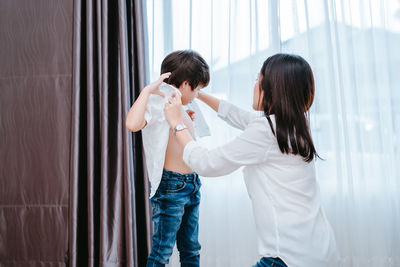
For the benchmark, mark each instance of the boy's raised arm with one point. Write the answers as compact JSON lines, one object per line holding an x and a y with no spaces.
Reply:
{"x":135,"y":119}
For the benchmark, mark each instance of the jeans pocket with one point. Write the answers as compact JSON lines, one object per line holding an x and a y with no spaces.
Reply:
{"x":172,"y":186}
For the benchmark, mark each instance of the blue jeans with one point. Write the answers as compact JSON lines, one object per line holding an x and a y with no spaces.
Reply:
{"x":176,"y":218}
{"x":267,"y":262}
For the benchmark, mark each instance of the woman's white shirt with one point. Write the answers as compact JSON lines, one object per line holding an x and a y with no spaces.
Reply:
{"x":282,"y":187}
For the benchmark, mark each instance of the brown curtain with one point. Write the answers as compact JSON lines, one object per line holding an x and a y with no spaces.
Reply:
{"x":35,"y":121}
{"x":138,"y":62}
{"x":109,"y":222}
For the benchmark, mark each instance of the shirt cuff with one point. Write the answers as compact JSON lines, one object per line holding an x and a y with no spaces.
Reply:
{"x":187,"y":151}
{"x":223,"y":108}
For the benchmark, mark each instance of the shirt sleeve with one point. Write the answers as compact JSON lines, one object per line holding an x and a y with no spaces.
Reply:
{"x":235,"y":116}
{"x":250,"y":148}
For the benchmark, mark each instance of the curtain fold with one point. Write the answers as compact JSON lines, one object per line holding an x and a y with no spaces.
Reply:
{"x":137,"y":44}
{"x":108,"y":206}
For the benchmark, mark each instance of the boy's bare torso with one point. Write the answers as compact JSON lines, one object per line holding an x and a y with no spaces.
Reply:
{"x":174,"y":154}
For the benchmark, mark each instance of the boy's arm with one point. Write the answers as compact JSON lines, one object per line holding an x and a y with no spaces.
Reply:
{"x":233,"y":115}
{"x":135,"y":120}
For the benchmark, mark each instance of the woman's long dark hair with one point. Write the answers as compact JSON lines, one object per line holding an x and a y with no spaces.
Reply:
{"x":288,"y":86}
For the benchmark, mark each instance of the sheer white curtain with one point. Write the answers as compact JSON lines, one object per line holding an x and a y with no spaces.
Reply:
{"x":353,"y":48}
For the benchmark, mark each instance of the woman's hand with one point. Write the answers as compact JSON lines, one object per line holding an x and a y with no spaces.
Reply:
{"x":153,"y":88}
{"x":173,"y":110}
{"x":174,"y":115}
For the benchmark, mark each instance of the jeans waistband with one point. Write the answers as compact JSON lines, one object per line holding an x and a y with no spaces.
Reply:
{"x":186,"y":177}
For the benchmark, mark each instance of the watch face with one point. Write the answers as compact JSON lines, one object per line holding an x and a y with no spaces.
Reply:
{"x":180,"y":127}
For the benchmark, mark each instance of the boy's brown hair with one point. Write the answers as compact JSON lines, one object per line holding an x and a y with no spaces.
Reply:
{"x":186,"y":65}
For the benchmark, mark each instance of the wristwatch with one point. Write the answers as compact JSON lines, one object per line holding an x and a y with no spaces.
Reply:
{"x":179,"y":127}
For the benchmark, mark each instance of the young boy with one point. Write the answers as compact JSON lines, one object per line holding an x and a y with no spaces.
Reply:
{"x":175,"y":195}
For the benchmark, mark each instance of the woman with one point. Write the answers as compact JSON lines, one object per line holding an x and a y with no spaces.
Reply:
{"x":278,"y":152}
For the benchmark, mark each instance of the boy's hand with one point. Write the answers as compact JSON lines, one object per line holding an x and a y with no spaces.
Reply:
{"x":173,"y":110}
{"x":153,"y":88}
